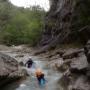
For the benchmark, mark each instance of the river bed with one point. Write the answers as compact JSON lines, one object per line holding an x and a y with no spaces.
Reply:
{"x":31,"y":83}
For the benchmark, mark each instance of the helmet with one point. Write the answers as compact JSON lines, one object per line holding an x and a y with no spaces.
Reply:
{"x":38,"y":72}
{"x":30,"y":57}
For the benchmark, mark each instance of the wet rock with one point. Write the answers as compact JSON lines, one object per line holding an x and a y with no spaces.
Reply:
{"x":74,"y":82}
{"x":79,"y":64}
{"x":64,"y":82}
{"x":64,"y":66}
{"x":78,"y":75}
{"x":59,"y":64}
{"x":71,"y":53}
{"x":21,"y":63}
{"x":59,"y":53}
{"x":54,"y":57}
{"x":19,"y":56}
{"x":74,"y":67}
{"x":9,"y":69}
{"x":81,"y":83}
{"x":56,"y":63}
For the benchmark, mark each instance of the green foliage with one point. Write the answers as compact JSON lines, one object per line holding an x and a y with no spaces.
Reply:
{"x":23,"y":26}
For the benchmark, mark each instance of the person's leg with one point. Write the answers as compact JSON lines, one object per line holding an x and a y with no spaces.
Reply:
{"x":39,"y":80}
{"x":42,"y":80}
{"x":43,"y":77}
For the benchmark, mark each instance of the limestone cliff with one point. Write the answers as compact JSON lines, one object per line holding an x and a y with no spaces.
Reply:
{"x":67,"y":21}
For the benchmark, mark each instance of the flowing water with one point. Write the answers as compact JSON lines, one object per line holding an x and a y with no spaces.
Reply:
{"x":31,"y":82}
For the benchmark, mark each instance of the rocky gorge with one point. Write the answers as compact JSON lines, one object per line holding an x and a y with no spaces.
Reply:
{"x":72,"y":63}
{"x":68,"y":21}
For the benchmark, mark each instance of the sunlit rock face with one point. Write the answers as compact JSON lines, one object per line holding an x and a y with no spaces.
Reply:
{"x":67,"y":21}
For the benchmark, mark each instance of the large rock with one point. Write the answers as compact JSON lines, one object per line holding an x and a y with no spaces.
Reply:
{"x":75,"y":82}
{"x":79,"y":65}
{"x":81,"y":84}
{"x":9,"y":69}
{"x":77,"y":76}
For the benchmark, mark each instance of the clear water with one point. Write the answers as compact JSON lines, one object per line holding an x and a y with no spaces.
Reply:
{"x":31,"y":82}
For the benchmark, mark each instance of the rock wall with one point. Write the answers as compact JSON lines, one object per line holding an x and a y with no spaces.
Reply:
{"x":67,"y":21}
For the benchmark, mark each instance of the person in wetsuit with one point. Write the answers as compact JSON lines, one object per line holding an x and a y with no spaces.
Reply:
{"x":29,"y":63}
{"x":40,"y":76}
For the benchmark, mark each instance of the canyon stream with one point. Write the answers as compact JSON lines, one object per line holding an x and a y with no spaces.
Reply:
{"x":30,"y":83}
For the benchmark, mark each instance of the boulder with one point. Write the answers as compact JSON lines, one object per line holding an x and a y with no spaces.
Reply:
{"x":79,"y":65}
{"x":21,"y":63}
{"x":77,"y":75}
{"x":9,"y":69}
{"x":59,"y":64}
{"x":56,"y":63}
{"x":81,"y":84}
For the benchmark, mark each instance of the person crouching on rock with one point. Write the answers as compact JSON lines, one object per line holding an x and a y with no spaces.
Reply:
{"x":29,"y":63}
{"x":40,"y":76}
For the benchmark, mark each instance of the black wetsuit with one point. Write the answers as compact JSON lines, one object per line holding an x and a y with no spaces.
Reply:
{"x":29,"y":63}
{"x":41,"y":77}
